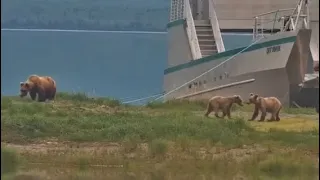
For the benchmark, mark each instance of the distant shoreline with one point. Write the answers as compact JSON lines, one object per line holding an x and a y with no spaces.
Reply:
{"x":101,"y":31}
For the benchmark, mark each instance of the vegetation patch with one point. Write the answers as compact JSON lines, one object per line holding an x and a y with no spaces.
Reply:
{"x":79,"y":132}
{"x":9,"y":161}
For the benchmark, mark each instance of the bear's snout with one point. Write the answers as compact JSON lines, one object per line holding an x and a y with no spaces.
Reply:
{"x":23,"y":92}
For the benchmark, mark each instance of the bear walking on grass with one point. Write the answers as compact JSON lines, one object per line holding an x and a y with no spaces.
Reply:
{"x":224,"y":104}
{"x":44,"y":86}
{"x":265,"y":104}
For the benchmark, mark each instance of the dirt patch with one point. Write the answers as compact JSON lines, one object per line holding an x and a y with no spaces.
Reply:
{"x":142,"y":150}
{"x":49,"y":146}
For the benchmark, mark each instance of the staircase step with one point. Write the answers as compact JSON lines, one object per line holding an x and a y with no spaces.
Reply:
{"x":208,"y":47}
{"x":205,"y":36}
{"x":202,"y":22}
{"x":208,"y":52}
{"x":204,"y":31}
{"x":203,"y":27}
{"x":206,"y":41}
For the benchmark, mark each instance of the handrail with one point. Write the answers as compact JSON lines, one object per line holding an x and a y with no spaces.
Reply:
{"x":215,"y":27}
{"x":276,"y":11}
{"x":191,"y":31}
{"x":289,"y":21}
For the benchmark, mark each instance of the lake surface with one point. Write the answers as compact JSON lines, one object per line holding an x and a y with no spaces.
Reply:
{"x":125,"y":66}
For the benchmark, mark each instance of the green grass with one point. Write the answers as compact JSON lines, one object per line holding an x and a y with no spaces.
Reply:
{"x":79,"y":118}
{"x":9,"y":161}
{"x":172,"y":133}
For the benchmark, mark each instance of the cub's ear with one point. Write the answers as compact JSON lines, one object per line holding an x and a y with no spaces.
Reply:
{"x":21,"y":83}
{"x":251,"y":94}
{"x":255,"y":96}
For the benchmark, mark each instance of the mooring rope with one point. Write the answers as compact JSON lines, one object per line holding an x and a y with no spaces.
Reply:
{"x":161,"y":95}
{"x":210,"y":69}
{"x":141,"y":99}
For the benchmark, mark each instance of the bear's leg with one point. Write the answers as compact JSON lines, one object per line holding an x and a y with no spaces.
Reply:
{"x":224,"y":113}
{"x":209,"y":110}
{"x":229,"y":112}
{"x":48,"y":95}
{"x":41,"y":96}
{"x":277,"y":115}
{"x":33,"y":95}
{"x":255,"y":113}
{"x":272,"y":117}
{"x":216,"y":110}
{"x":263,"y":114}
{"x":52,"y":95}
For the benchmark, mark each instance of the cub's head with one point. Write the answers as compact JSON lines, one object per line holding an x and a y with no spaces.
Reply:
{"x":253,"y":98}
{"x":25,"y":87}
{"x":238,"y":100}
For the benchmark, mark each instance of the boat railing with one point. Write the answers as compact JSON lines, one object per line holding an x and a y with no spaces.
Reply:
{"x":271,"y":22}
{"x":282,"y":20}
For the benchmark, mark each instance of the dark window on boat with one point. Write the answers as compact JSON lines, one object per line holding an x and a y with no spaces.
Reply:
{"x":220,"y":77}
{"x":190,"y":86}
{"x":204,"y":82}
{"x":214,"y":79}
{"x":200,"y":83}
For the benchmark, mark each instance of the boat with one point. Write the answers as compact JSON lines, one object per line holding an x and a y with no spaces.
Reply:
{"x":277,"y":63}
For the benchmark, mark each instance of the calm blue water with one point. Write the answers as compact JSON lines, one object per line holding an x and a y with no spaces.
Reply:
{"x":123,"y":66}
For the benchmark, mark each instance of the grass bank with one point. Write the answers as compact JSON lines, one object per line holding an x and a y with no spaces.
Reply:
{"x":79,"y":118}
{"x":81,"y":131}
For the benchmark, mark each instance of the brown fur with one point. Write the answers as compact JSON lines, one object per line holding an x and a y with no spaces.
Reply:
{"x":265,"y":105}
{"x":224,"y":104}
{"x":44,"y":86}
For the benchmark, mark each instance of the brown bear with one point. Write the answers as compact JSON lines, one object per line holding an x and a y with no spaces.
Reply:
{"x":224,"y":104}
{"x":44,"y":86}
{"x":265,"y":104}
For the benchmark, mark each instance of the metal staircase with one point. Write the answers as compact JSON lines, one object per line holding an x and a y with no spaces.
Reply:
{"x":205,"y":37}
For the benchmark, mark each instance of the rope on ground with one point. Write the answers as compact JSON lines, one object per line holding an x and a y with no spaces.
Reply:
{"x":210,"y":69}
{"x":141,"y":99}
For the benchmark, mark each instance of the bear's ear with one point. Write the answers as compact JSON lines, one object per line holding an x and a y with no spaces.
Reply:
{"x":251,"y":94}
{"x":255,"y":96}
{"x":21,"y":83}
